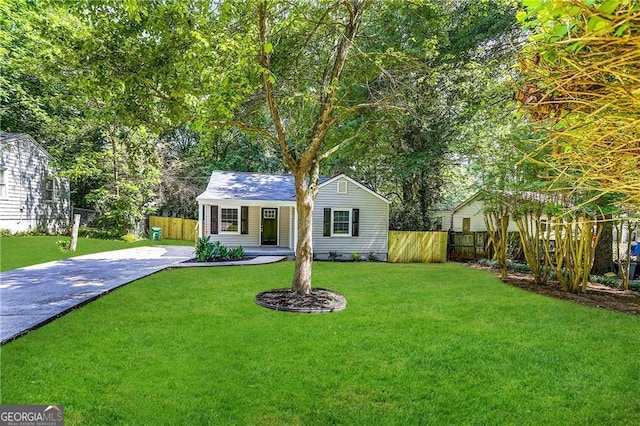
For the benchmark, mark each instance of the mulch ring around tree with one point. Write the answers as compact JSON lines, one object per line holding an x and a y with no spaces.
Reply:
{"x":320,"y":300}
{"x":597,"y":295}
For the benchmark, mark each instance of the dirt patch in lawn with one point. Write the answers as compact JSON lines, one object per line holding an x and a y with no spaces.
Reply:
{"x":597,"y":295}
{"x":319,"y":301}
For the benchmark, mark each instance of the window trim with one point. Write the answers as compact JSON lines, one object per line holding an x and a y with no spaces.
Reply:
{"x":48,"y":179}
{"x":4,"y":184}
{"x":349,"y":222}
{"x":239,"y":217}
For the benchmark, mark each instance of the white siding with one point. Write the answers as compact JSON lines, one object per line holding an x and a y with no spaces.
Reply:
{"x":446,"y":216}
{"x":374,"y":222}
{"x":284,"y":227}
{"x":252,"y":239}
{"x":475,"y":212}
{"x":26,"y":169}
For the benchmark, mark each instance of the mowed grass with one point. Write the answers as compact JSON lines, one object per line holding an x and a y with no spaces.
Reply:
{"x":417,"y":344}
{"x":17,"y":252}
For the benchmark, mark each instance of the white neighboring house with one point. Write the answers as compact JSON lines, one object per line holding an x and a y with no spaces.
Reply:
{"x":467,"y":216}
{"x":32,"y":196}
{"x":259,"y":210}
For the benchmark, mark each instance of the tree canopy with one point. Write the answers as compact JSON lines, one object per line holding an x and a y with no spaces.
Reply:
{"x":581,"y":82}
{"x":421,"y":108}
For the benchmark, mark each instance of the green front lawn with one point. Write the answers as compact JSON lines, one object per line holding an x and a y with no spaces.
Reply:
{"x":17,"y":252}
{"x":417,"y":344}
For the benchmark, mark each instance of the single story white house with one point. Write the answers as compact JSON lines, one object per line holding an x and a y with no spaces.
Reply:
{"x":259,"y":210}
{"x":468,"y":216}
{"x":32,"y":195}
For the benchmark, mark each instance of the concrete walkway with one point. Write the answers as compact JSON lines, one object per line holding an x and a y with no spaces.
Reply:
{"x":35,"y":295}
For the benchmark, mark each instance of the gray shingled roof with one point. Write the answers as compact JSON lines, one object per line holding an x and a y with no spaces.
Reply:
{"x":250,"y":186}
{"x":5,"y":136}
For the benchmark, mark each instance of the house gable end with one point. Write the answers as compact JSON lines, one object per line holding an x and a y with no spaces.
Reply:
{"x":353,"y":182}
{"x":6,"y":139}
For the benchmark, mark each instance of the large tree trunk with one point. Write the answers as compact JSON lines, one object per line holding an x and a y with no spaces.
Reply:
{"x":306,"y":190}
{"x":304,"y":164}
{"x":304,"y":247}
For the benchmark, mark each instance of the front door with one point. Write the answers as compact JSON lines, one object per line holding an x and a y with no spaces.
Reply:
{"x":269,"y":227}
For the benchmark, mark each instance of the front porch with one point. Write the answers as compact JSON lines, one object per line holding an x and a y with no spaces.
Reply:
{"x":259,"y":227}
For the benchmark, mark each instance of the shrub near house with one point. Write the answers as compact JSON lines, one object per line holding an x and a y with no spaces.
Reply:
{"x":207,"y":251}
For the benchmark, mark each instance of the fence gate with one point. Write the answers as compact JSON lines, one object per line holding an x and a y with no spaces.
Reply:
{"x":468,"y":246}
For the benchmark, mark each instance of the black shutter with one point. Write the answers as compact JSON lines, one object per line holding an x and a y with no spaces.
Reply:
{"x":326,"y":230}
{"x":214,"y":219}
{"x":355,"y":222}
{"x":244,"y":220}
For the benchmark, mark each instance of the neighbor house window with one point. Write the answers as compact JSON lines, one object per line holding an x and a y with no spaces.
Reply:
{"x":229,"y":218}
{"x":3,"y":183}
{"x":49,"y":189}
{"x":466,"y":224}
{"x":437,"y":223}
{"x":546,"y":226}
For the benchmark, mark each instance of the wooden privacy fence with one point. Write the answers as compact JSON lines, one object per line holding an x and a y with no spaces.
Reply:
{"x":424,"y":247}
{"x":175,"y":228}
{"x":468,"y":245}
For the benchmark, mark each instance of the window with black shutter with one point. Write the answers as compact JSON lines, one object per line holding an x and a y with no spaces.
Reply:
{"x":326,"y":229}
{"x":244,"y":220}
{"x":355,"y":222}
{"x":214,"y":219}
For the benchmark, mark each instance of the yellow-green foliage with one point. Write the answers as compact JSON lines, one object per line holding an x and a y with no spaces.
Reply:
{"x":581,"y":73}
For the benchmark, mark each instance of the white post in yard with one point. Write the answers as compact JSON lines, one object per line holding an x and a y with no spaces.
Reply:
{"x":74,"y":232}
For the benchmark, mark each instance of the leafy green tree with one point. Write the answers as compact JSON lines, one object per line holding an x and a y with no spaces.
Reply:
{"x":109,"y":159}
{"x":305,"y":79}
{"x":168,"y":63}
{"x":187,"y":158}
{"x":457,"y":101}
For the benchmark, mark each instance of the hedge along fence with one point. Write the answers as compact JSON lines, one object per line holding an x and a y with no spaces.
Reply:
{"x":175,"y":228}
{"x":417,"y":247}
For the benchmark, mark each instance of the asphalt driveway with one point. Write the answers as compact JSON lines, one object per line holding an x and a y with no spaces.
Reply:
{"x":35,"y":295}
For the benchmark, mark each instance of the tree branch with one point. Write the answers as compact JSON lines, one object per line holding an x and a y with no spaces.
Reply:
{"x":331,"y":151}
{"x":330,"y":83}
{"x":244,"y":126}
{"x":265,"y":63}
{"x":355,"y":108}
